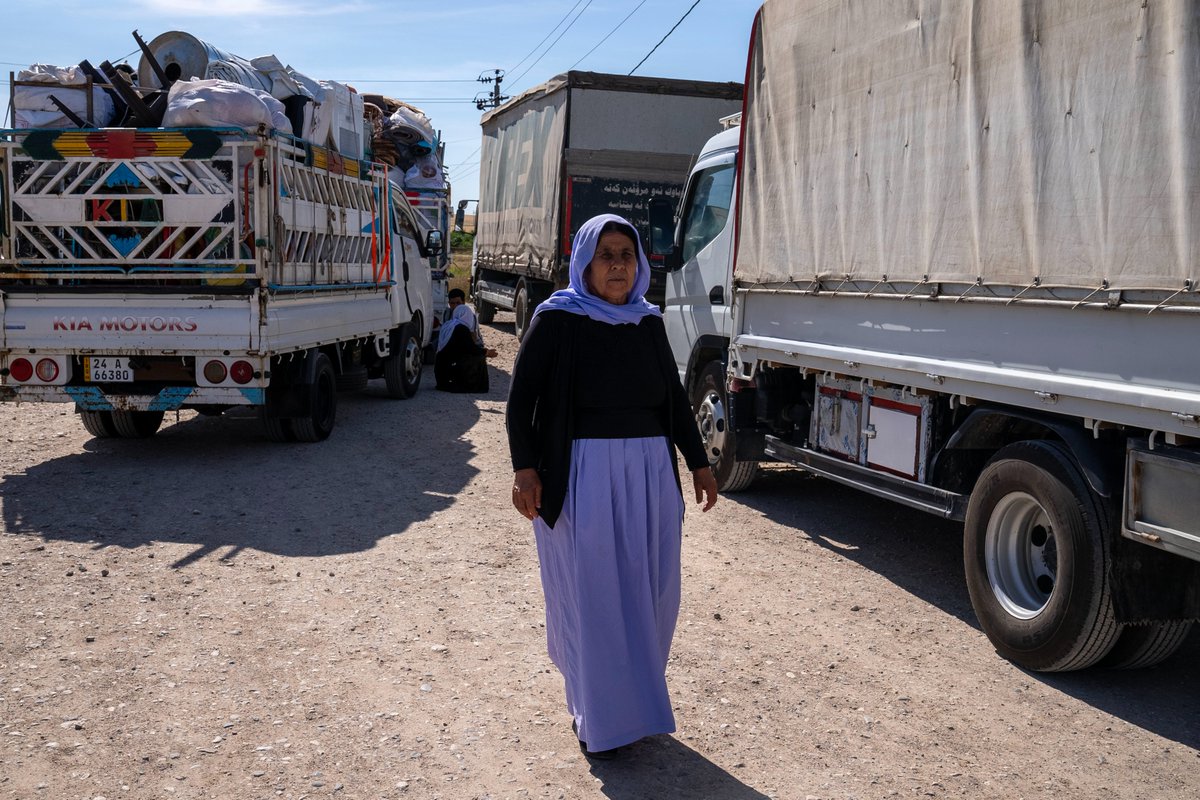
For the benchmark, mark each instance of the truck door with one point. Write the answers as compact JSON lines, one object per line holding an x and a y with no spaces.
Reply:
{"x":700,"y":290}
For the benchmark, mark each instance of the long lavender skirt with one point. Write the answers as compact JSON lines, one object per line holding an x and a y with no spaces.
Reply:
{"x":610,"y":573}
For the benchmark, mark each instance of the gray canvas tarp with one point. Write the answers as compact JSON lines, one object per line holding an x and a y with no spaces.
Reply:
{"x":519,"y":181}
{"x":947,"y":140}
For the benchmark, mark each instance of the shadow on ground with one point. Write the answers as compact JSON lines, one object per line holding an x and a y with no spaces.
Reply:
{"x":666,"y":769}
{"x":218,"y":484}
{"x":918,"y":552}
{"x":922,"y":554}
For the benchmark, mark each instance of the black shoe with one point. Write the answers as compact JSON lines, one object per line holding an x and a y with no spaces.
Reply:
{"x":598,"y":755}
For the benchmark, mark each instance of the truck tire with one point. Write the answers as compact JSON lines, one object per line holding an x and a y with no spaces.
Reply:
{"x":485,"y":311}
{"x":402,"y":369}
{"x":136,"y":424}
{"x":1146,"y":645}
{"x":522,"y":313}
{"x":277,"y":429}
{"x":317,"y":426}
{"x":1036,"y":558}
{"x":710,"y":404}
{"x":98,"y":423}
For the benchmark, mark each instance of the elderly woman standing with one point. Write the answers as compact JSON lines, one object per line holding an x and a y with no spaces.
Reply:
{"x":595,"y":413}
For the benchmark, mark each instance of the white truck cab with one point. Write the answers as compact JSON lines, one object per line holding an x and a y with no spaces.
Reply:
{"x":697,"y":294}
{"x":698,"y":257}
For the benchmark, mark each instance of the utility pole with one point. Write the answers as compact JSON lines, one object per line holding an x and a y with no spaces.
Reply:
{"x":483,"y":102}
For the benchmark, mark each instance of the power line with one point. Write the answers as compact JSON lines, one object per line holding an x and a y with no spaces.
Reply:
{"x":551,"y":47}
{"x":465,"y":169}
{"x":468,"y":158}
{"x":28,"y":64}
{"x":435,"y":99}
{"x":663,"y":39}
{"x":547,"y":36}
{"x":403,"y":80}
{"x":610,"y":33}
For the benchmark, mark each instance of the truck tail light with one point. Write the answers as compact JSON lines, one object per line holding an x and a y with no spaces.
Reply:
{"x":20,"y":370}
{"x":214,"y":372}
{"x":241,"y":372}
{"x":47,"y":370}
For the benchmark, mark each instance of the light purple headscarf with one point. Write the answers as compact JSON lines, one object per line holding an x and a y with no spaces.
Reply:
{"x":578,"y":299}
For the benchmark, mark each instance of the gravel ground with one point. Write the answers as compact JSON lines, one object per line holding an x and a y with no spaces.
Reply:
{"x":209,"y":615}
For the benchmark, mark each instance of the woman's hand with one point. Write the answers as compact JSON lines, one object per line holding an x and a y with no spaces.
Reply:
{"x":527,"y":492}
{"x":706,"y":487}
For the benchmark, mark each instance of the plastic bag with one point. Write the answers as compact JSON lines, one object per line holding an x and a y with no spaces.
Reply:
{"x":425,"y":173}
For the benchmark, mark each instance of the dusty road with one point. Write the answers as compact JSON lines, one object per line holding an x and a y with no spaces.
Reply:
{"x":208,"y":615}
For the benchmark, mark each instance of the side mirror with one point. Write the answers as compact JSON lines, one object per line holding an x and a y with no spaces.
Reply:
{"x":662,"y":232}
{"x":434,"y":243}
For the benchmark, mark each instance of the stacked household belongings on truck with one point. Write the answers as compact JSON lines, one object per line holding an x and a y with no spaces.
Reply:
{"x":403,"y":138}
{"x":184,"y":82}
{"x":48,"y":96}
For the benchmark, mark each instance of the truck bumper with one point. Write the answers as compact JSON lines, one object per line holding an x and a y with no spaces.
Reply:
{"x":171,"y":398}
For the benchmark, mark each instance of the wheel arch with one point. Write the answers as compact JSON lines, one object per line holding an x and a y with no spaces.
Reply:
{"x":991,"y":428}
{"x":418,"y":320}
{"x":706,"y":349}
{"x":290,"y":372}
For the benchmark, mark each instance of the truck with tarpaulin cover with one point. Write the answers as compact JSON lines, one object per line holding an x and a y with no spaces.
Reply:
{"x":950,"y":258}
{"x":144,"y":271}
{"x":581,"y":144}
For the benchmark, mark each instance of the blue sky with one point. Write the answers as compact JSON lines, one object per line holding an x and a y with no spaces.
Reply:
{"x":428,"y":53}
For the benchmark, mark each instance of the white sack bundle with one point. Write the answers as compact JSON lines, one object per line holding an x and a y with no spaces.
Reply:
{"x":410,"y":125}
{"x":34,"y":109}
{"x":217,"y":104}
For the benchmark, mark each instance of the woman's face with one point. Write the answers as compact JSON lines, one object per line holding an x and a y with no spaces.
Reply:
{"x":614,"y":266}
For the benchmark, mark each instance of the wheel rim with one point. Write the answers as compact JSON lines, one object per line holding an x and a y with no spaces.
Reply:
{"x":710,"y":418}
{"x":1021,"y":555}
{"x":519,"y":311}
{"x":412,"y":361}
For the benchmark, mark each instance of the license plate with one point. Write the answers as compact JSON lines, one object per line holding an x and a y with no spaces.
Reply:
{"x":107,"y":369}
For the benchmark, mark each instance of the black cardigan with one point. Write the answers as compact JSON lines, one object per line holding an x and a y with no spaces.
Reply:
{"x":540,"y":417}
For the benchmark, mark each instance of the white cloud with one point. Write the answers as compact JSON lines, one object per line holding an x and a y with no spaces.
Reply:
{"x":252,"y":8}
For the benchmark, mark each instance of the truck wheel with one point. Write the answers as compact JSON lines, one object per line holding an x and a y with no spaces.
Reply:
{"x":136,"y":424}
{"x":402,"y":369}
{"x":98,"y":423}
{"x":278,"y":429}
{"x":710,"y":403}
{"x":317,"y":426}
{"x":521,"y":312}
{"x":1146,"y":645}
{"x":1036,"y":554}
{"x":485,"y":311}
